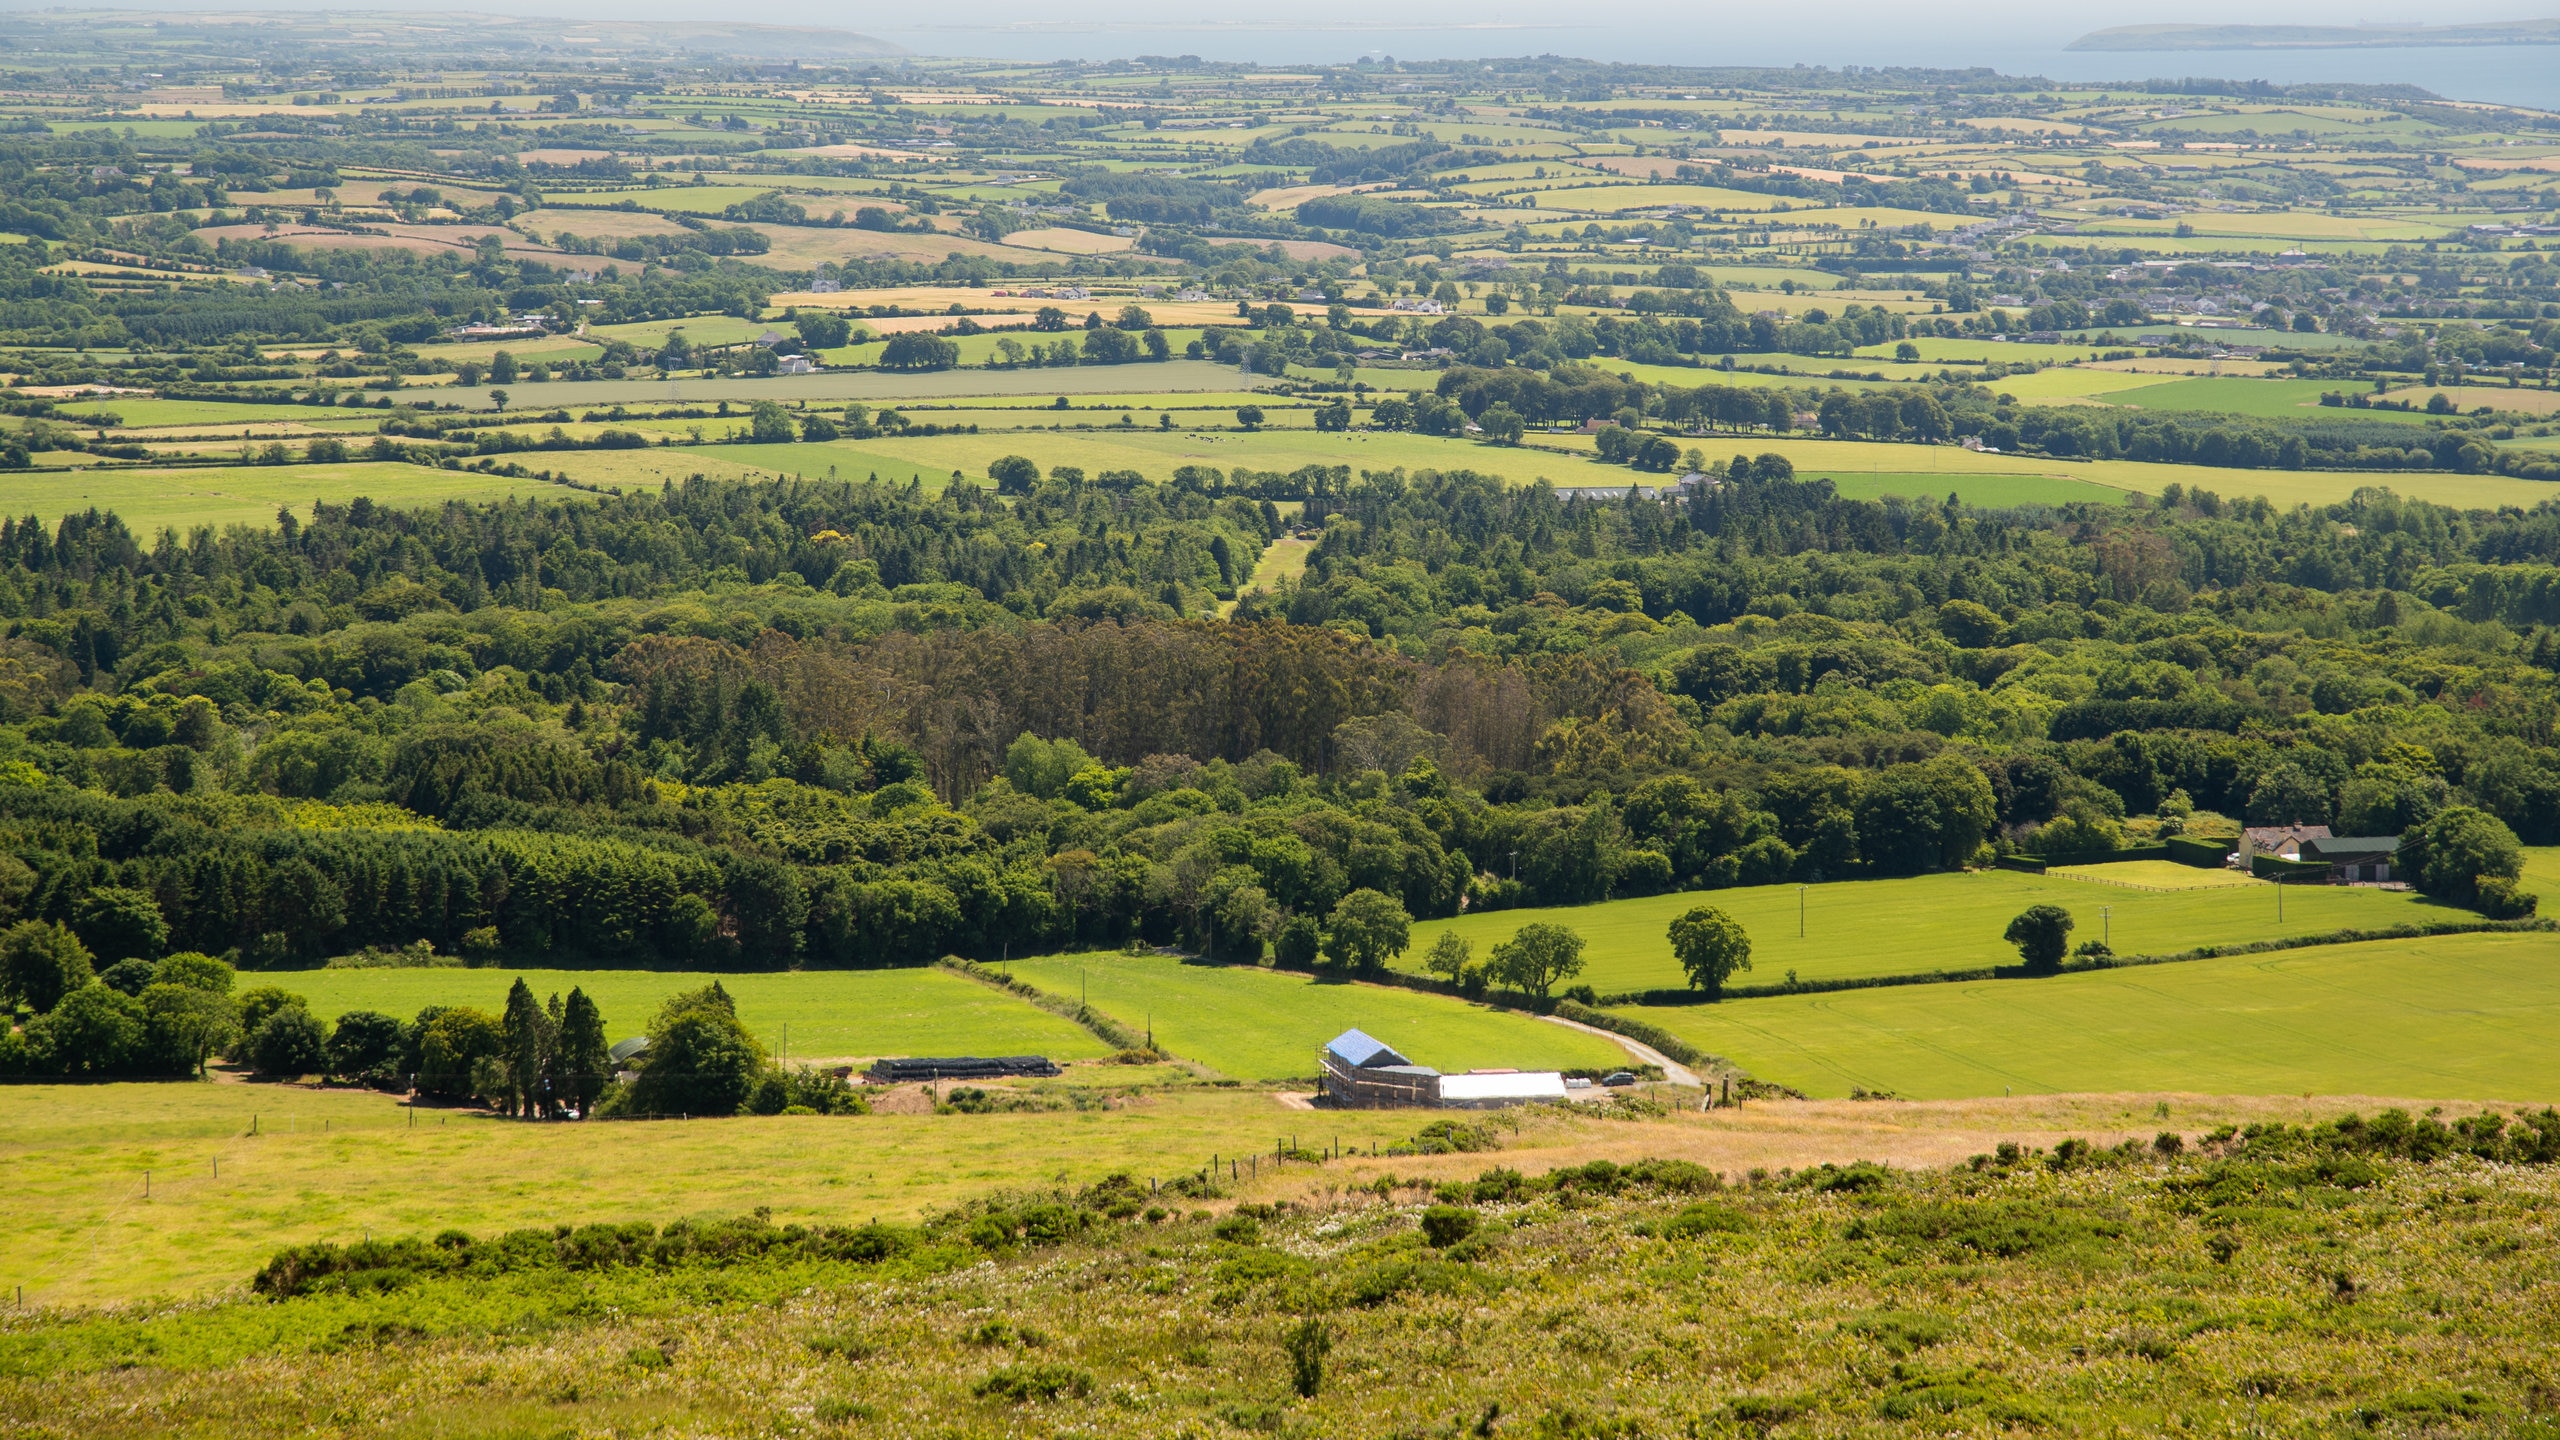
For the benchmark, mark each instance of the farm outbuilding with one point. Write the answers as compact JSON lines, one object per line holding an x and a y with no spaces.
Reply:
{"x":1361,"y":1072}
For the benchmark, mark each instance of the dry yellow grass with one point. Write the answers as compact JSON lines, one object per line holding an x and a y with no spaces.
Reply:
{"x":2466,"y":398}
{"x":76,"y":1226}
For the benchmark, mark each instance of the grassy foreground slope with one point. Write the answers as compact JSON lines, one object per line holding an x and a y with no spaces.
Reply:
{"x":2115,"y":1294}
{"x":832,"y":1014}
{"x":1265,"y":1025}
{"x":1938,"y":922}
{"x":76,"y":1226}
{"x":2453,"y":1016}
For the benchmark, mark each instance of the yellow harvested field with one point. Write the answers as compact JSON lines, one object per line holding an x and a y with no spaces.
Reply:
{"x":2467,"y":398}
{"x":802,"y":247}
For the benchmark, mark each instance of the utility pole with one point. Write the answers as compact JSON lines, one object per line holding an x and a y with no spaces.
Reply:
{"x":1800,"y":912}
{"x":2106,"y":926}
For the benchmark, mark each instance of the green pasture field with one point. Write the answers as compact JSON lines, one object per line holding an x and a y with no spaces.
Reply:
{"x":138,"y":129}
{"x":1152,"y":453}
{"x":1584,"y":197}
{"x":548,"y":349}
{"x":337,"y":1164}
{"x":1138,"y":402}
{"x":1916,"y":470}
{"x":1961,"y":350}
{"x":1282,"y":560}
{"x":868,"y":386}
{"x":1985,"y":490}
{"x":1268,"y":1025}
{"x":2240,"y":395}
{"x":1859,"y":928}
{"x":832,"y":1014}
{"x":181,"y":499}
{"x":978,"y":352}
{"x":2542,"y":876}
{"x":2072,"y":382}
{"x":142,"y":412}
{"x":673,"y":199}
{"x":2454,"y":1017}
{"x":2283,"y":487}
{"x":2158,"y":875}
{"x":698,"y":330}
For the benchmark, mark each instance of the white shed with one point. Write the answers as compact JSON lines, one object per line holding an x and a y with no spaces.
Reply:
{"x":1491,"y":1090}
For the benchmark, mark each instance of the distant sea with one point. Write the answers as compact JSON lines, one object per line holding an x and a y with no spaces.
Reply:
{"x":2515,"y":75}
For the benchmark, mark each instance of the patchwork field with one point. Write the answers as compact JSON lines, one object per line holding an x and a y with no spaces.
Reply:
{"x":1863,"y":928}
{"x":2462,"y":1016}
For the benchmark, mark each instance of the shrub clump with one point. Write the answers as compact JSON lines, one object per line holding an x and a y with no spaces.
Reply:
{"x":391,"y":1264}
{"x":1041,"y":1380}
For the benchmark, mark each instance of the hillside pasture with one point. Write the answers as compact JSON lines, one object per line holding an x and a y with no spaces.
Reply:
{"x":2453,"y":1017}
{"x":1864,"y":928}
{"x":1255,"y":1024}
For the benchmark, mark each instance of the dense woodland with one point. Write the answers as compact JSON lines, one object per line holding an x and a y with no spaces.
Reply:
{"x":821,"y":724}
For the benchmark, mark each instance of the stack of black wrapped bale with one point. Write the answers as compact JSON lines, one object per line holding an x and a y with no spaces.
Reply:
{"x":917,"y":1070}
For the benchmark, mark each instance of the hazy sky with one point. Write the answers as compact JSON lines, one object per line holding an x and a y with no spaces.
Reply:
{"x":2015,"y":36}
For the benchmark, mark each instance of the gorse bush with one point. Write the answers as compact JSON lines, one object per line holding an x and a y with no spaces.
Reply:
{"x":389,"y":1264}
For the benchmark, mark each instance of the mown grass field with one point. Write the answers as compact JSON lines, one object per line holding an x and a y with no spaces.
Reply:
{"x":1266,"y":1025}
{"x":1860,"y":928}
{"x":75,"y":1226}
{"x":2234,"y":395}
{"x":868,"y":386}
{"x":1985,"y":490}
{"x":832,"y":1014}
{"x":180,"y":499}
{"x":2453,"y":1017}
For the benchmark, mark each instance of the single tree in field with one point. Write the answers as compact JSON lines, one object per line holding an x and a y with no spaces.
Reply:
{"x":2041,"y":933}
{"x":1710,"y":946}
{"x":1249,"y":416}
{"x":1455,"y":959}
{"x":1449,"y":957}
{"x":1538,"y":958}
{"x":1368,"y":929}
